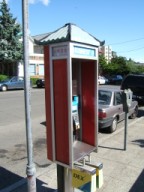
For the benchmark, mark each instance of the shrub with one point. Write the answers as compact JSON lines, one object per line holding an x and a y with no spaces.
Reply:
{"x":33,"y":80}
{"x":3,"y":77}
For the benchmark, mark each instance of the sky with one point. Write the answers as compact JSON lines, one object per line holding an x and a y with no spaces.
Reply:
{"x":119,"y":22}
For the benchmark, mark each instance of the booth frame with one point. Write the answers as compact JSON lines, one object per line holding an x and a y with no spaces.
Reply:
{"x":77,"y":150}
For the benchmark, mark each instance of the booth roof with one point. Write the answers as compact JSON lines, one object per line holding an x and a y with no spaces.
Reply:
{"x":69,"y":32}
{"x":41,"y":36}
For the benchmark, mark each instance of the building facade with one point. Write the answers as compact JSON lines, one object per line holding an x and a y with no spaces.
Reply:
{"x":107,"y":52}
{"x":36,"y":60}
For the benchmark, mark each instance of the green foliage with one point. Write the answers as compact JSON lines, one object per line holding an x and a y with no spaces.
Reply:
{"x":3,"y":77}
{"x":140,"y":69}
{"x":33,"y":80}
{"x":119,"y":65}
{"x":132,"y":68}
{"x":102,"y":64}
{"x":10,"y":46}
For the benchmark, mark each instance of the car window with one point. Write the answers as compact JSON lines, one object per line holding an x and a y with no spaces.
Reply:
{"x":14,"y":79}
{"x":20,"y":79}
{"x":118,"y":98}
{"x":128,"y":81}
{"x":104,"y":97}
{"x":133,"y":81}
{"x":119,"y":76}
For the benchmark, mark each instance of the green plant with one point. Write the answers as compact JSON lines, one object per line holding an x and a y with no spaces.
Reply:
{"x":33,"y":80}
{"x":3,"y":77}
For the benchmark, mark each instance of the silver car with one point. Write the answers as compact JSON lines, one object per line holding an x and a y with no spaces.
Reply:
{"x":12,"y":83}
{"x":111,"y":108}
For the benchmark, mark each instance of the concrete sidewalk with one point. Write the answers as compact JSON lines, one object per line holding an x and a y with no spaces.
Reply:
{"x":123,"y":171}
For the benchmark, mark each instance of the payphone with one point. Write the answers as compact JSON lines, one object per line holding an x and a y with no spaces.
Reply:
{"x":71,"y":90}
{"x":71,"y":70}
{"x":71,"y":107}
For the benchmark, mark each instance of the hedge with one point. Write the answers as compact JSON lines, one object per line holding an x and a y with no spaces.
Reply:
{"x":3,"y":77}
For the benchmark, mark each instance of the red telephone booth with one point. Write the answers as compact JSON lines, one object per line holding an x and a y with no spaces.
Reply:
{"x":71,"y":69}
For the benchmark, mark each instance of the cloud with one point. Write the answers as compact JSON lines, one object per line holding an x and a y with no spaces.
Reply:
{"x":45,"y":2}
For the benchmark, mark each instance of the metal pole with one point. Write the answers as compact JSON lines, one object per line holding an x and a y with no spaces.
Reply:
{"x":30,"y":169}
{"x":125,"y":132}
{"x":68,"y":180}
{"x":60,"y":178}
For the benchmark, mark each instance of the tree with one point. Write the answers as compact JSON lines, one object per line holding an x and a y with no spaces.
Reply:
{"x":102,"y":64}
{"x":120,"y":65}
{"x":132,"y":68}
{"x":10,"y":45}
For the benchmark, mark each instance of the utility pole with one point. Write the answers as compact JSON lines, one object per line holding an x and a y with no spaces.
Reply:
{"x":30,"y":169}
{"x":125,"y":131}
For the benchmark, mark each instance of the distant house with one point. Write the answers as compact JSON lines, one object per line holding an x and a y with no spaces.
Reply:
{"x":36,"y":58}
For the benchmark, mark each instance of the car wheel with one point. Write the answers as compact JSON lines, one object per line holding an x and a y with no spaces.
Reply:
{"x":4,"y":88}
{"x":134,"y":114}
{"x":113,"y":126}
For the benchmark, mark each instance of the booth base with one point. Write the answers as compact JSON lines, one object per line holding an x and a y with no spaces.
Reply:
{"x":84,"y":179}
{"x":99,"y":173}
{"x":81,"y":150}
{"x":99,"y":178}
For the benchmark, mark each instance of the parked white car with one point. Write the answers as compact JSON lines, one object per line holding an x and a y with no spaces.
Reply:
{"x":101,"y":80}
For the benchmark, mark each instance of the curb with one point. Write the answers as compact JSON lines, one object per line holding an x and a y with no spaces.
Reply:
{"x":119,"y":130}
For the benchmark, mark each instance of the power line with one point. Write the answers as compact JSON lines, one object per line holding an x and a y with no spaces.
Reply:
{"x":131,"y":50}
{"x":124,"y":42}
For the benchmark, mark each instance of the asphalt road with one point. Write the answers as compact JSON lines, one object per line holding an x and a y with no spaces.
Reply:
{"x":13,"y":152}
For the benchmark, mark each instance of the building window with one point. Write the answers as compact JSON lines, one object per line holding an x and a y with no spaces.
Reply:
{"x":32,"y":69}
{"x":41,"y":69}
